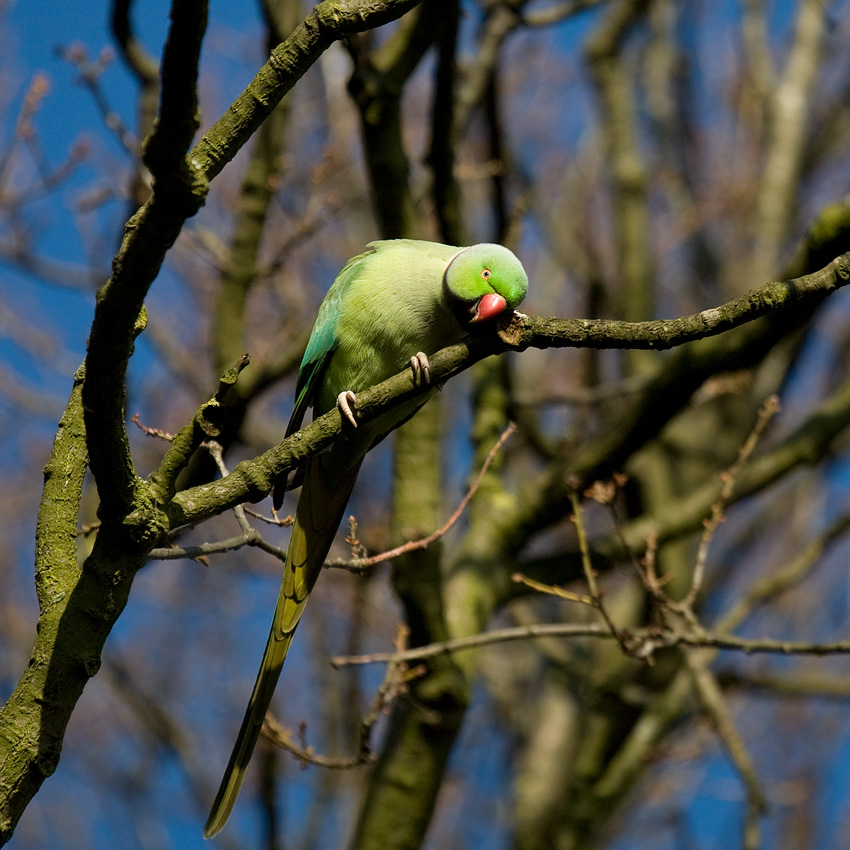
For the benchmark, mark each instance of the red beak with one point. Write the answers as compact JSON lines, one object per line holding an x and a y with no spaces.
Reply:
{"x":490,"y":305}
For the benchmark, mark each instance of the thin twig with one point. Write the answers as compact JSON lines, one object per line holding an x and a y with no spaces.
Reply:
{"x":394,"y":685}
{"x":605,"y":493}
{"x":217,"y":454}
{"x":91,"y":72}
{"x":552,"y":590}
{"x":729,"y":477}
{"x":151,"y":432}
{"x":281,"y":737}
{"x":201,"y":550}
{"x":778,"y":581}
{"x":421,"y":653}
{"x":358,"y":550}
{"x":284,"y":522}
{"x":360,"y":564}
{"x":89,"y":528}
{"x":589,"y":573}
{"x":643,"y":642}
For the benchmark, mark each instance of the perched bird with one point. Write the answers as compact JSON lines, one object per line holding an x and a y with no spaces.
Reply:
{"x":391,"y":306}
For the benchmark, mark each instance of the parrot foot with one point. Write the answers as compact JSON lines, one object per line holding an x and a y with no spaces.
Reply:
{"x":346,"y":401}
{"x":421,"y":367}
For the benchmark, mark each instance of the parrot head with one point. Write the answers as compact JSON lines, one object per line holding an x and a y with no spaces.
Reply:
{"x":483,"y":281}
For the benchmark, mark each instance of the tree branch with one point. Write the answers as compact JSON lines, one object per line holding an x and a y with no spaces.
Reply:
{"x":645,"y":641}
{"x":328,"y":22}
{"x":154,"y":228}
{"x":252,"y":480}
{"x":119,"y":315}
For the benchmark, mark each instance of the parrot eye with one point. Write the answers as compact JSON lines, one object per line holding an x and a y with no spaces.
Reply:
{"x":485,"y":273}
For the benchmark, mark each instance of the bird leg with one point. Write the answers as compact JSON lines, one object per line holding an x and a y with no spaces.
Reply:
{"x":421,"y":367}
{"x":346,"y":401}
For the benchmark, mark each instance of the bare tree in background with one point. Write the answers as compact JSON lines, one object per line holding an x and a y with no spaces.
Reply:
{"x":590,"y":656}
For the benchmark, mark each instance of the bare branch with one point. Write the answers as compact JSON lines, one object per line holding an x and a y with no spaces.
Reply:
{"x":728,"y":478}
{"x":251,"y":481}
{"x":282,"y":737}
{"x":360,"y":564}
{"x":646,"y":640}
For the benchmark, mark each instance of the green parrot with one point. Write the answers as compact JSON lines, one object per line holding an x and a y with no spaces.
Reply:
{"x":389,"y":307}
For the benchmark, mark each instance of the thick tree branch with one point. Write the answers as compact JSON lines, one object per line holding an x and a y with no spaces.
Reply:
{"x":328,"y":22}
{"x":118,"y":314}
{"x":67,"y":648}
{"x":252,"y":480}
{"x":154,"y":228}
{"x":178,"y":118}
{"x":772,"y":298}
{"x":56,"y":567}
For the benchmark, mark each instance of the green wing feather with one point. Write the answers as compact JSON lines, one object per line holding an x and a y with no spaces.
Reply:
{"x":320,"y":347}
{"x":323,"y":341}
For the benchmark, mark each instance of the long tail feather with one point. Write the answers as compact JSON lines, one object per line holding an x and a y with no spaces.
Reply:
{"x":273,"y":658}
{"x":317,"y":518}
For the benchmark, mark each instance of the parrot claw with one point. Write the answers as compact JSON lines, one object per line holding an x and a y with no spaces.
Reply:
{"x":421,"y":367}
{"x":346,"y":401}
